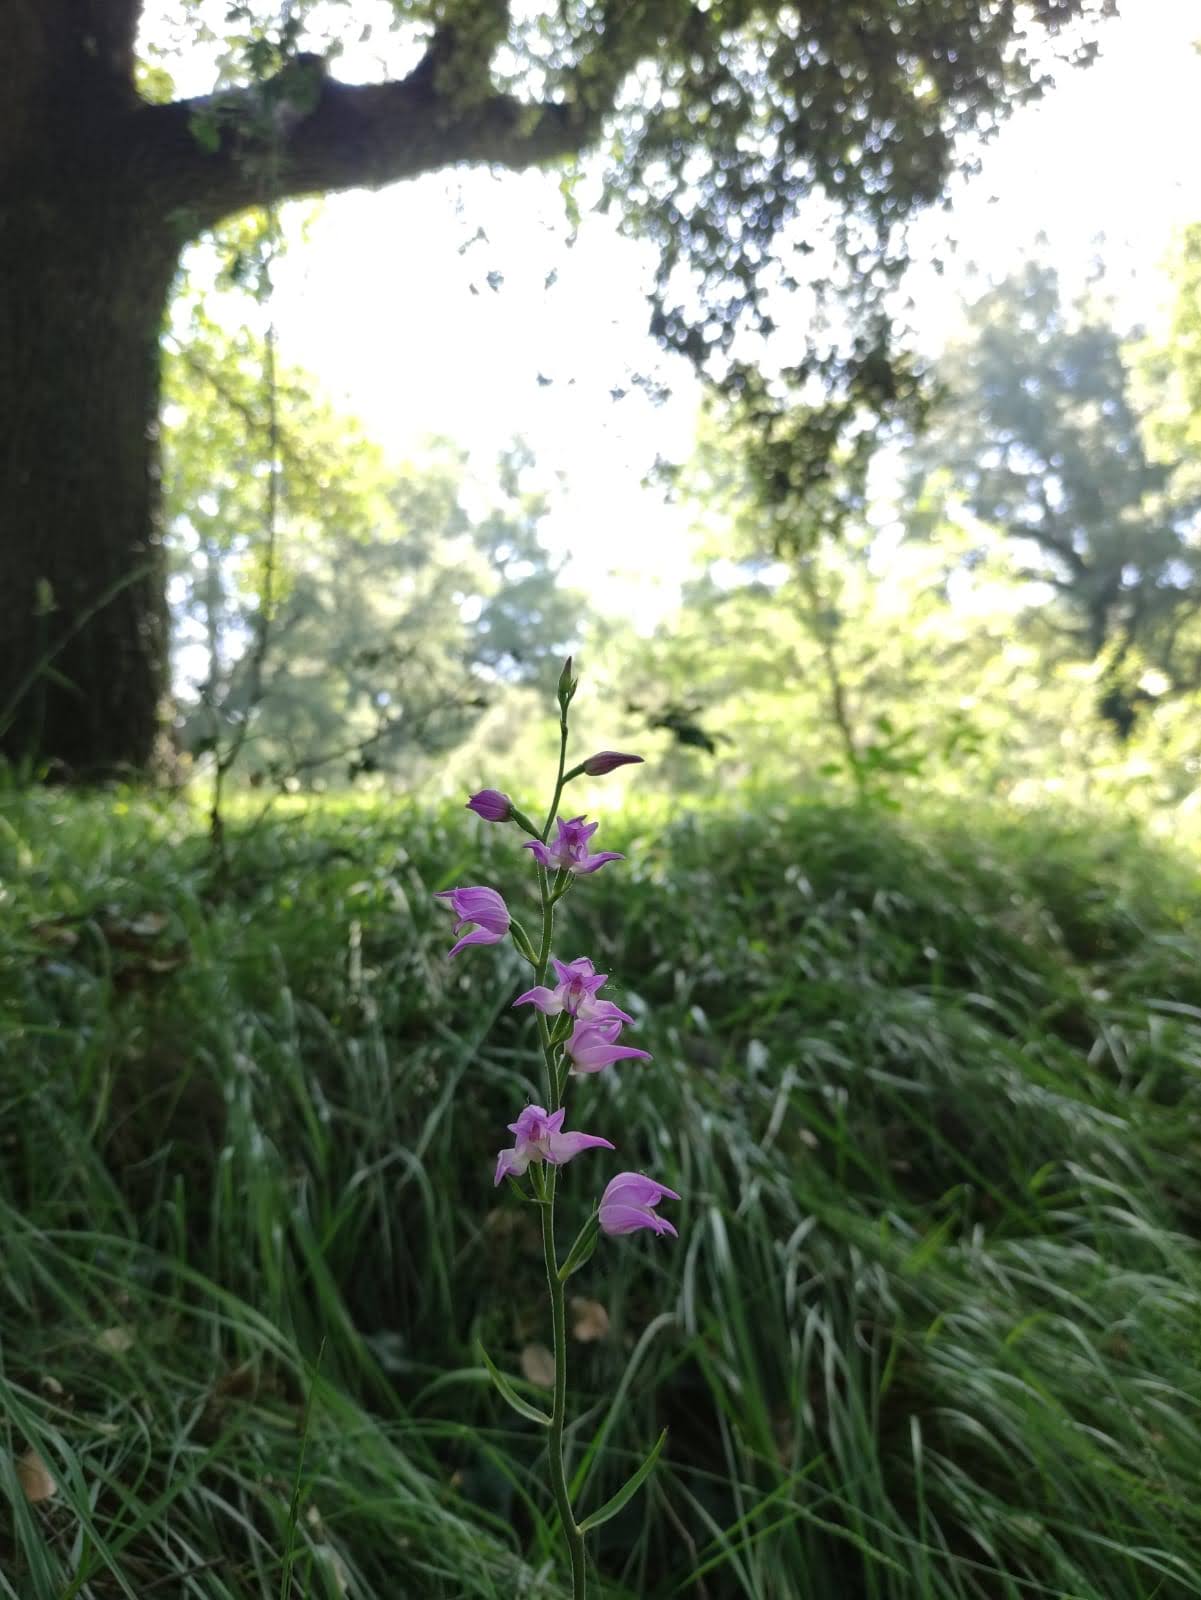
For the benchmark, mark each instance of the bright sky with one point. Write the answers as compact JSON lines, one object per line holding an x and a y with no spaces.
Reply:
{"x":389,"y":304}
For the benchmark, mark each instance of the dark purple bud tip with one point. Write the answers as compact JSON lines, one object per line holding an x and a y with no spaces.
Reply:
{"x":491,"y":805}
{"x":606,"y":760}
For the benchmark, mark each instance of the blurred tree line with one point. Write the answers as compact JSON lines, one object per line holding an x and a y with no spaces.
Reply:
{"x":1014,"y":606}
{"x":384,"y":611}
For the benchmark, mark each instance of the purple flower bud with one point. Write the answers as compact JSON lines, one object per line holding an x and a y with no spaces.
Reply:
{"x":480,"y":907}
{"x":491,"y":805}
{"x":628,"y":1204}
{"x":606,"y":760}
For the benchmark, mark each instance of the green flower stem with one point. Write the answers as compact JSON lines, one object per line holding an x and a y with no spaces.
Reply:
{"x":558,"y":1477}
{"x":559,"y":781}
{"x":555,"y":1084}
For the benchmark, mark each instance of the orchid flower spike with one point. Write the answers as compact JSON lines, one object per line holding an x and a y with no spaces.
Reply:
{"x":593,"y":1046}
{"x":574,"y":993}
{"x":480,"y":907}
{"x":539,"y":1137}
{"x":491,"y":805}
{"x":628,"y":1204}
{"x":570,"y":851}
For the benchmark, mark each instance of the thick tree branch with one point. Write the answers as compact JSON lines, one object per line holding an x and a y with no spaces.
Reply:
{"x":222,"y":153}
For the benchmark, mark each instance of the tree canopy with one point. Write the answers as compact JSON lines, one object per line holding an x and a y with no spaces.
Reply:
{"x":1039,"y":437}
{"x":734,"y":134}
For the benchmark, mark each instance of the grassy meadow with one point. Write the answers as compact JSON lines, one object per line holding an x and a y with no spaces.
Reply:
{"x":929,"y":1085}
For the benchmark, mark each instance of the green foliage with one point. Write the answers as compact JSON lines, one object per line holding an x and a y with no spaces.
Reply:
{"x":928,"y":1087}
{"x":1169,"y":369}
{"x":763,"y":148}
{"x":393,"y":614}
{"x":1027,"y":623}
{"x":1039,"y":440}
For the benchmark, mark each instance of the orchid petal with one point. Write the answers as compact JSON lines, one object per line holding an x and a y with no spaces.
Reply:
{"x":509,"y":1164}
{"x":548,"y":1000}
{"x":562,"y":1146}
{"x":480,"y":936}
{"x":594,"y":863}
{"x":628,"y":1219}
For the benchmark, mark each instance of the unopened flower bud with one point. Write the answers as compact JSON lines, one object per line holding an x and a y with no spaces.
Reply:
{"x":491,"y":805}
{"x":606,"y":760}
{"x":567,"y":684}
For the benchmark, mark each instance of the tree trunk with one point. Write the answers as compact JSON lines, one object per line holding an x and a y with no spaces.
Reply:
{"x":99,"y":192}
{"x":84,"y":276}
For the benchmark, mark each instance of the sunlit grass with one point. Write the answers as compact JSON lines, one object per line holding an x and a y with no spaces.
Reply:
{"x":930,"y":1093}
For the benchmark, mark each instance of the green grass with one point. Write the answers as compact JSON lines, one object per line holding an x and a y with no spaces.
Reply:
{"x":931,"y":1091}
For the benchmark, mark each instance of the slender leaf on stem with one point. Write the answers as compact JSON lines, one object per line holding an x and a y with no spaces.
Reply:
{"x":581,"y":1251}
{"x":627,"y":1491}
{"x":509,"y":1393}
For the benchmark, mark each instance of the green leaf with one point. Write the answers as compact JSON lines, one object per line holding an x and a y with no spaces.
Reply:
{"x":507,"y":1391}
{"x":581,"y":1251}
{"x":627,"y":1491}
{"x":204,"y":128}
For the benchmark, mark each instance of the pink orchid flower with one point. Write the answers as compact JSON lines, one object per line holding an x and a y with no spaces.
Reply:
{"x":628,"y":1204}
{"x":593,"y":1046}
{"x":539,"y":1137}
{"x":570,"y":850}
{"x":574,"y":993}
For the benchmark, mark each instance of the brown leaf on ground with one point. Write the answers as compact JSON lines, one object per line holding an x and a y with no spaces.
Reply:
{"x":591,"y":1320}
{"x":538,"y":1365}
{"x":34,"y":1477}
{"x":115,"y":1341}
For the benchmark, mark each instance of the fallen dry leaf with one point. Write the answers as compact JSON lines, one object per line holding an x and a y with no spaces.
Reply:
{"x":116,"y":1341}
{"x":337,"y":1567}
{"x":538,"y":1365}
{"x":591,"y":1320}
{"x":34,"y":1478}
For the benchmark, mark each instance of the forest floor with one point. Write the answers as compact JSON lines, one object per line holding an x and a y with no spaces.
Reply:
{"x":930,"y":1090}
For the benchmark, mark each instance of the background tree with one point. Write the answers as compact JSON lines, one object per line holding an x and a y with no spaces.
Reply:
{"x":1039,"y":438}
{"x":1168,"y":368}
{"x":726,"y":120}
{"x":402,"y":600}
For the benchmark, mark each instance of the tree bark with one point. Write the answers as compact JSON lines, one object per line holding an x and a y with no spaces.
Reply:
{"x":84,"y":278}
